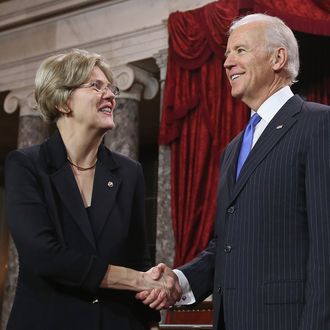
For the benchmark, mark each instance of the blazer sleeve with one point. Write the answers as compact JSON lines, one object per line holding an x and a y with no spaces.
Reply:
{"x":316,"y":313}
{"x":200,"y":272}
{"x":39,"y":247}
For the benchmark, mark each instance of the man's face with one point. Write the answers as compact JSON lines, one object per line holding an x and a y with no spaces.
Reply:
{"x":248,"y":65}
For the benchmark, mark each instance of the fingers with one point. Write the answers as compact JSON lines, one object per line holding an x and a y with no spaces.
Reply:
{"x":166,"y":293}
{"x":142,"y":295}
{"x":159,"y":302}
{"x":157,"y":271}
{"x":155,"y":298}
{"x":172,"y":284}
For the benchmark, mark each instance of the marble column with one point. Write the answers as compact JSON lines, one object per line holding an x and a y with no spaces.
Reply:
{"x":134,"y":83}
{"x":164,"y":238}
{"x":31,"y":130}
{"x":165,"y":246}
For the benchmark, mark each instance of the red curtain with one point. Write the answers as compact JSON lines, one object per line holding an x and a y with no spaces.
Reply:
{"x":199,"y":115}
{"x":309,"y":16}
{"x":315,"y":69}
{"x":199,"y":119}
{"x":320,"y":92}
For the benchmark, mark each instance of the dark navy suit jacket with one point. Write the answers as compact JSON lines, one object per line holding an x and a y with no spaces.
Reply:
{"x":63,"y":253}
{"x":269,"y":261}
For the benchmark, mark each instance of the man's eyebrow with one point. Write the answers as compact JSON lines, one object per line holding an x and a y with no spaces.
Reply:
{"x":234,"y":48}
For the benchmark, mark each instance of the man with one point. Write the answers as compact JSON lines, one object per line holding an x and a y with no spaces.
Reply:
{"x":268,"y":264}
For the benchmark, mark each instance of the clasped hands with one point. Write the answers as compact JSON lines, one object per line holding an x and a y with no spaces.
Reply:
{"x":167,"y":291}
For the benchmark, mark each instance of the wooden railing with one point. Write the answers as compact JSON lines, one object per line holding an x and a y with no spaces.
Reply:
{"x":185,"y":326}
{"x":188,"y":318}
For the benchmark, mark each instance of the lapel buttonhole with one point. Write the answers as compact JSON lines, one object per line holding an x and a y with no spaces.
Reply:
{"x":279,"y":126}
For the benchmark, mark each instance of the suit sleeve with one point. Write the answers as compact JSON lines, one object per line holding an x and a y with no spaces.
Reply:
{"x":200,"y":272}
{"x":39,"y":247}
{"x":316,"y":314}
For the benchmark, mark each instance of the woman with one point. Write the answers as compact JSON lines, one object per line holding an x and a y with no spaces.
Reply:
{"x":76,"y":210}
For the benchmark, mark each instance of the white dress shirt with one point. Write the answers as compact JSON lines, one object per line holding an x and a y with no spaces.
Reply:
{"x":266,"y":111}
{"x":269,"y":109}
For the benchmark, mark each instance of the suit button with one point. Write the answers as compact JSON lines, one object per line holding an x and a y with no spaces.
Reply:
{"x":227,"y":248}
{"x":220,"y":290}
{"x":231,"y":209}
{"x":95,"y":301}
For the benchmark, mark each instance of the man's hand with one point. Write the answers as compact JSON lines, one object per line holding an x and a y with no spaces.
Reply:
{"x":168,"y":294}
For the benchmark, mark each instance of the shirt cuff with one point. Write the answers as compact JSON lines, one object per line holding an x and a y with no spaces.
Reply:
{"x":187,"y":297}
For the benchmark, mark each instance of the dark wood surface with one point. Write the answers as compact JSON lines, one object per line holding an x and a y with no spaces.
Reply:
{"x":187,"y":318}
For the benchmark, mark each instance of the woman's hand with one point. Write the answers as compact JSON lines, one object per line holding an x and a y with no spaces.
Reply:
{"x":170,"y":292}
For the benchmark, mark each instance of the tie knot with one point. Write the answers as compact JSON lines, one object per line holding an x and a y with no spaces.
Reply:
{"x":254,"y":120}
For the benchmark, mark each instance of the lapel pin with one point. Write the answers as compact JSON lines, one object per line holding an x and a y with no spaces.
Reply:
{"x":279,"y":126}
{"x":110,"y":184}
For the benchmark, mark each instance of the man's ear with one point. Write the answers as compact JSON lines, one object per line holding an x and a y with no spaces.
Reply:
{"x":279,"y":59}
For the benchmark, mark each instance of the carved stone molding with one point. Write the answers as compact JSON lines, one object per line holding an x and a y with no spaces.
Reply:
{"x":127,"y":76}
{"x":161,"y":60}
{"x":21,"y":99}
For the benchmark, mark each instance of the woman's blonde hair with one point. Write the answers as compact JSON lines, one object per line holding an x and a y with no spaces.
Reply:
{"x":59,"y":75}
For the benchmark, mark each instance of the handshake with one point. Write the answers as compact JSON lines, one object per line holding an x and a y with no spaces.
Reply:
{"x":162,"y":288}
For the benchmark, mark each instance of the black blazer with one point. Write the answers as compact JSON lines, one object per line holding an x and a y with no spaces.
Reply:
{"x":269,"y":261}
{"x":63,"y":253}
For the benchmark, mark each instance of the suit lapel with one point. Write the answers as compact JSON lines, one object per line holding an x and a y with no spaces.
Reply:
{"x":274,"y":132}
{"x":63,"y":179}
{"x":106,"y":187}
{"x":228,"y":168}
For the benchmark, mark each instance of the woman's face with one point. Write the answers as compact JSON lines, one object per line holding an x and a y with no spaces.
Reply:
{"x":91,"y":108}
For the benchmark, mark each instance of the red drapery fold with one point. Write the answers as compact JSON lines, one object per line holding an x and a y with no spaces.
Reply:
{"x":316,"y":76}
{"x":199,"y":115}
{"x":320,"y":92}
{"x":309,"y":16}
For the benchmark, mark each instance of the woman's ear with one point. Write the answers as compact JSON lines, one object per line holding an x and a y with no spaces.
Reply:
{"x":279,"y":59}
{"x":64,"y":109}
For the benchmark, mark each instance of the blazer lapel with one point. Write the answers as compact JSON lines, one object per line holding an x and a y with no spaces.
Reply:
{"x":228,"y":168}
{"x":276,"y":129}
{"x":67,"y":189}
{"x":66,"y":186}
{"x":106,"y":187}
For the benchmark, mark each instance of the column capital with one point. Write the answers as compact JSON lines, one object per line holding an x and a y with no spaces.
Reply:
{"x":21,"y":99}
{"x":161,"y":57}
{"x":129,"y":76}
{"x":161,"y":60}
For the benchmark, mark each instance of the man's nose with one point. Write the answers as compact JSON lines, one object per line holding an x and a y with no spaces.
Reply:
{"x":228,"y":62}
